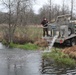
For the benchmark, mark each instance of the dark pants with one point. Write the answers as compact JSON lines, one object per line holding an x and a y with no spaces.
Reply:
{"x":45,"y":31}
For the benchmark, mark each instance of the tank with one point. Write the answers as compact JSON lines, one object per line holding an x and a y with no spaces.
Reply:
{"x":65,"y":27}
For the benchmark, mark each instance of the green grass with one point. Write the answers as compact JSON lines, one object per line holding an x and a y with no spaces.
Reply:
{"x":27,"y":46}
{"x":60,"y":59}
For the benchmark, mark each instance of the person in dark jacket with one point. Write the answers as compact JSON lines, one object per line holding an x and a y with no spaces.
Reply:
{"x":45,"y":24}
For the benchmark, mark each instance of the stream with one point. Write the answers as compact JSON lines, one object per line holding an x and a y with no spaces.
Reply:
{"x":19,"y":62}
{"x":15,"y":61}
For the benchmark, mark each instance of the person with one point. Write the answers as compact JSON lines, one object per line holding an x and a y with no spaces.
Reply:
{"x":45,"y":24}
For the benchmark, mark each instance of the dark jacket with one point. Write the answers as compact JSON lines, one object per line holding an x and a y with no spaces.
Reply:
{"x":44,"y":23}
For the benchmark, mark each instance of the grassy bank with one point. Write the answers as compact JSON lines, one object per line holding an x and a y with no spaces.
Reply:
{"x":60,"y":59}
{"x":23,"y":34}
{"x":28,"y":46}
{"x":28,"y":33}
{"x":31,"y":35}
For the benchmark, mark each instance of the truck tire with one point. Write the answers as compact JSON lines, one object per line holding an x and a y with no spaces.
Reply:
{"x":72,"y":42}
{"x":67,"y":42}
{"x":69,"y":31}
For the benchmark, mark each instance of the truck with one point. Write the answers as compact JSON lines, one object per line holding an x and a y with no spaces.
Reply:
{"x":65,"y":27}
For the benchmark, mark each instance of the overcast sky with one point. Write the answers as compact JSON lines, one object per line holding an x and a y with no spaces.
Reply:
{"x":39,"y":3}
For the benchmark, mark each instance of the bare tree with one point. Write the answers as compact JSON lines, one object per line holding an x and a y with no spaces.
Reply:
{"x":50,"y":9}
{"x":63,"y":7}
{"x":16,"y":10}
{"x":56,"y":11}
{"x":72,"y":2}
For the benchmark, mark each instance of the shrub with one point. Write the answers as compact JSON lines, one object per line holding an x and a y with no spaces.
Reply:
{"x":60,"y":59}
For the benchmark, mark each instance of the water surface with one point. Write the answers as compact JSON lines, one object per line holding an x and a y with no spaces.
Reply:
{"x":21,"y":62}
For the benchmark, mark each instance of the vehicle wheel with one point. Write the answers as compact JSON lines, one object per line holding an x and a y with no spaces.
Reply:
{"x":73,"y":42}
{"x":67,"y":43}
{"x":69,"y":31}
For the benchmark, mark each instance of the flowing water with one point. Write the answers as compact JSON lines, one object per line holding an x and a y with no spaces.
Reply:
{"x":21,"y":62}
{"x":51,"y":43}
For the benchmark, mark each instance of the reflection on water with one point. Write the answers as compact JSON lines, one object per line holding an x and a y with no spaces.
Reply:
{"x":2,"y":46}
{"x":50,"y":67}
{"x":20,"y":62}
